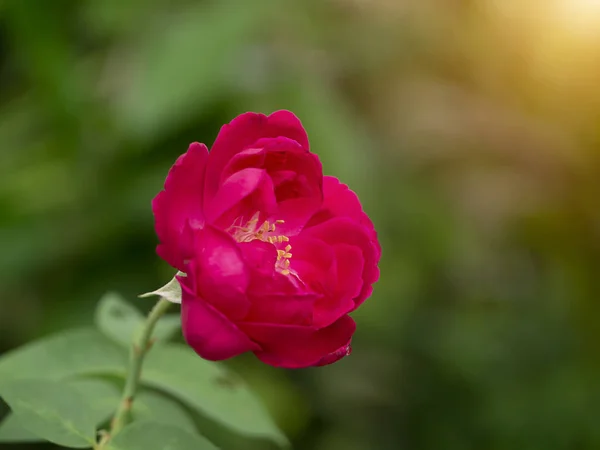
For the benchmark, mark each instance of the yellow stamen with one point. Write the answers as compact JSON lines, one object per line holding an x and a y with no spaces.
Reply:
{"x":265,"y":232}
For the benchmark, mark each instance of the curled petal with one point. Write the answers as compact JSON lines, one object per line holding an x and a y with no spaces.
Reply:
{"x":297,"y":346}
{"x":341,"y":201}
{"x":343,"y":230}
{"x":348,"y":281}
{"x":218,"y":273}
{"x":241,"y":195}
{"x":296,"y":179}
{"x":344,"y":350}
{"x":180,"y":204}
{"x":212,"y":335}
{"x":242,"y":132}
{"x":314,"y":262}
{"x":350,"y":264}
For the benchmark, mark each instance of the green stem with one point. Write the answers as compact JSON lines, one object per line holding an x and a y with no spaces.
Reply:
{"x":140,"y":346}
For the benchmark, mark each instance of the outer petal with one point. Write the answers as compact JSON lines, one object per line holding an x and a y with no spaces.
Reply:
{"x":343,"y":230}
{"x":341,"y":201}
{"x":350,"y":266}
{"x":212,"y":335}
{"x":218,"y":273}
{"x":180,"y":203}
{"x":348,"y":285}
{"x":344,"y":350}
{"x":295,"y":346}
{"x":242,"y":132}
{"x":292,"y":309}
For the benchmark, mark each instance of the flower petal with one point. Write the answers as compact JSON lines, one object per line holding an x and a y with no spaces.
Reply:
{"x":241,"y":133}
{"x":314,"y":262}
{"x":273,"y":296}
{"x":260,"y":256}
{"x":212,"y":335}
{"x":291,"y":309}
{"x":299,"y":196}
{"x":296,"y":174}
{"x":344,"y":350}
{"x":350,"y":265}
{"x":343,"y":230}
{"x":180,"y":203}
{"x":218,"y":273}
{"x":341,"y":201}
{"x":348,"y":281}
{"x":241,"y":195}
{"x":296,"y":346}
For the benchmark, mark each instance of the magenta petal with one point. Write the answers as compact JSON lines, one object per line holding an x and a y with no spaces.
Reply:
{"x":341,"y":201}
{"x":273,"y":297}
{"x":180,"y":203}
{"x":241,"y":195}
{"x":286,"y":123}
{"x":291,"y":309}
{"x":314,"y":261}
{"x":348,"y":286}
{"x":212,"y":335}
{"x":219,"y":272}
{"x":344,"y":350}
{"x":350,"y":265}
{"x":296,"y":346}
{"x":260,"y":256}
{"x":343,"y":230}
{"x":249,"y":158}
{"x":242,"y":132}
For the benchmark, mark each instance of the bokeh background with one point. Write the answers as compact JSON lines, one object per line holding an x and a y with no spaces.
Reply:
{"x":469,"y":128}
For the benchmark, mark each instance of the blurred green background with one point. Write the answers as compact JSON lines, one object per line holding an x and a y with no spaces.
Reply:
{"x":469,"y":128}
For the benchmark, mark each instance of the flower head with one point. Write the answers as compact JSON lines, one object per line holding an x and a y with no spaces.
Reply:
{"x":276,"y":255}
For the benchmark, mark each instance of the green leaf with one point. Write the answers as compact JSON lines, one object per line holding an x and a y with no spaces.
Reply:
{"x":102,"y":396}
{"x":149,"y":435}
{"x":11,"y":430}
{"x":52,"y":410}
{"x":209,"y":389}
{"x":74,"y":352}
{"x":117,"y":319}
{"x":149,"y":405}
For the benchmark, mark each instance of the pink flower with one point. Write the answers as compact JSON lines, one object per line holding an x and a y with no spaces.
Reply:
{"x":276,"y":255}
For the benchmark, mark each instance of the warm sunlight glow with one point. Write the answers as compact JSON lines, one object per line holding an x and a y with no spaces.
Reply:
{"x":581,"y":16}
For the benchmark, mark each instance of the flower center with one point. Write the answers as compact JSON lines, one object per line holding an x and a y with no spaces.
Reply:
{"x":266,"y":233}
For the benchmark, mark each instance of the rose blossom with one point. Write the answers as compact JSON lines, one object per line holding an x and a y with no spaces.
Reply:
{"x":275,"y":254}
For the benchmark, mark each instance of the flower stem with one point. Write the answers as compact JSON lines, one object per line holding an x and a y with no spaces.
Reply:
{"x":140,"y":346}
